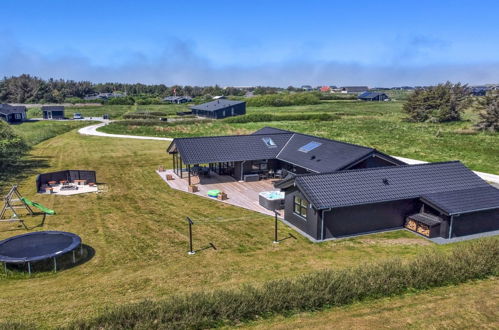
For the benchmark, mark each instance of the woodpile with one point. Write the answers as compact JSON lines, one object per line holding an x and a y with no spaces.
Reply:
{"x":423,"y":230}
{"x":411,"y":224}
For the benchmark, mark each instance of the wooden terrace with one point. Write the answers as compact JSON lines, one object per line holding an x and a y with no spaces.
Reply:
{"x":242,"y":194}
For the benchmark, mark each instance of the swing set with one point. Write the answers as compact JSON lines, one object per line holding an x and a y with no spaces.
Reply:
{"x":14,"y":201}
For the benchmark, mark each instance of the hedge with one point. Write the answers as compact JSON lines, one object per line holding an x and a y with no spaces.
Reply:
{"x":309,"y":292}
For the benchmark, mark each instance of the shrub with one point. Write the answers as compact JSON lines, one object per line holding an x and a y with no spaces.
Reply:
{"x":489,"y":113}
{"x":441,"y":103}
{"x":310,"y":292}
{"x":12,"y":146}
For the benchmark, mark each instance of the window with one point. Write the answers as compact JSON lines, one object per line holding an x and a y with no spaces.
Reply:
{"x":309,"y":146}
{"x":269,"y":142}
{"x":18,"y":116}
{"x":300,"y":206}
{"x":259,"y":165}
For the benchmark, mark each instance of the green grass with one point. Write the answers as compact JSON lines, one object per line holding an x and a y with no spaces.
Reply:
{"x":375,"y":124}
{"x":138,"y":231}
{"x":114,"y":111}
{"x":38,"y":131}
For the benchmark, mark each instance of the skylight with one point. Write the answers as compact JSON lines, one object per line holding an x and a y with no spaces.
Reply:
{"x":309,"y":146}
{"x":269,"y":142}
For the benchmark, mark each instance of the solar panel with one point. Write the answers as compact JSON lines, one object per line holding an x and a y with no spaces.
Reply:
{"x":269,"y":142}
{"x":309,"y":146}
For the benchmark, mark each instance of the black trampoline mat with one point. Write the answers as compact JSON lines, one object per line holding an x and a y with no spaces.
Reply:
{"x":37,"y":246}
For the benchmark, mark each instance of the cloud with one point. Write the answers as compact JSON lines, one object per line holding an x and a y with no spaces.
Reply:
{"x":179,"y":63}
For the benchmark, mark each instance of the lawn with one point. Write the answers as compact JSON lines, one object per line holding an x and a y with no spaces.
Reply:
{"x":375,"y":124}
{"x":35,"y":132}
{"x":137,"y":229}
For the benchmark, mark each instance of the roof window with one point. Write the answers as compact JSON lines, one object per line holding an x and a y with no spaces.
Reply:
{"x":269,"y":142}
{"x":309,"y":146}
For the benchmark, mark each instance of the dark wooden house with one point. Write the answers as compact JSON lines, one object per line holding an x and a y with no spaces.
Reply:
{"x":53,"y":112}
{"x":219,"y":109}
{"x":435,"y":200}
{"x":12,"y":114}
{"x":373,"y":96}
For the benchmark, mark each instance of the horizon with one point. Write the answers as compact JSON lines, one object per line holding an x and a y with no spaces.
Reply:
{"x":262,"y":44}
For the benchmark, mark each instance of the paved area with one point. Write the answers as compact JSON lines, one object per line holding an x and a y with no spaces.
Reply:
{"x":82,"y":189}
{"x":440,"y":240}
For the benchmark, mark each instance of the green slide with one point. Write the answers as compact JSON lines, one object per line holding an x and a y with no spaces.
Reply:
{"x":38,"y":206}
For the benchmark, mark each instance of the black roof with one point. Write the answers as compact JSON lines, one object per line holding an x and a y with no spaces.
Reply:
{"x":382,"y":184}
{"x":270,"y":130}
{"x":426,"y":218}
{"x":216,"y":105}
{"x":53,"y":108}
{"x":370,"y":95}
{"x":464,"y":201}
{"x":212,"y":149}
{"x":7,"y":109}
{"x":328,"y":156}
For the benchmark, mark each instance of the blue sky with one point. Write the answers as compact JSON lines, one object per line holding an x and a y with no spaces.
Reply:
{"x":281,"y":43}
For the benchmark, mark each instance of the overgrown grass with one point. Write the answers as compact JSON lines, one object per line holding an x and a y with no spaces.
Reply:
{"x":313,"y":291}
{"x":38,"y":131}
{"x":267,"y":117}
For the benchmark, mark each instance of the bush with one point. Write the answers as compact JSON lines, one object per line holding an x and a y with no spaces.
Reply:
{"x":489,"y":113}
{"x":263,"y":117}
{"x":12,"y":146}
{"x":310,"y":292}
{"x":283,"y":99}
{"x":441,"y":103}
{"x":126,"y":100}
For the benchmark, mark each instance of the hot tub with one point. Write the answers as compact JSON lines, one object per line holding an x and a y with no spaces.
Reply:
{"x":271,"y":200}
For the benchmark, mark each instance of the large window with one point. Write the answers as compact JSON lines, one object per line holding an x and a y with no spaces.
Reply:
{"x":300,"y":206}
{"x":259,"y":165}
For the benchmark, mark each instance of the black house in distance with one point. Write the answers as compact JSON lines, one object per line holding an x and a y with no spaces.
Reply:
{"x":373,"y":96}
{"x":219,"y":109}
{"x":53,"y":112}
{"x":335,"y":189}
{"x":12,"y":114}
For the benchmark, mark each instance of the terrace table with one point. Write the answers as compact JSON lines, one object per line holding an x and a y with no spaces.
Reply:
{"x":63,"y":182}
{"x":52,"y":183}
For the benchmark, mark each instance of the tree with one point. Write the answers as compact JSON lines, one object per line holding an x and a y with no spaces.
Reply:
{"x":12,"y":147}
{"x":441,"y":103}
{"x":489,"y":113}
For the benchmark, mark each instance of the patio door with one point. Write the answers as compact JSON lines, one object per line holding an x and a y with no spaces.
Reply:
{"x":49,"y":114}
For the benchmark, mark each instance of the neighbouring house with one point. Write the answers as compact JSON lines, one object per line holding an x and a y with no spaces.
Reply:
{"x":443,"y":200}
{"x":334,"y":189}
{"x":177,"y":99}
{"x":219,"y":109}
{"x":307,"y":88}
{"x":53,"y":112}
{"x":354,"y":89}
{"x":479,"y":90}
{"x":325,"y":89}
{"x":12,"y":113}
{"x":373,"y":96}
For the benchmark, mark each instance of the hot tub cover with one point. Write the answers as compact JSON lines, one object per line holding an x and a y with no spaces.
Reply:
{"x":37,"y":246}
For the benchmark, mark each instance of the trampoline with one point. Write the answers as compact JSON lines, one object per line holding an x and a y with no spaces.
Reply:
{"x":38,"y":246}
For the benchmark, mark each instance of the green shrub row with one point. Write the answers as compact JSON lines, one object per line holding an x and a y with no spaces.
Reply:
{"x":144,"y":115}
{"x":310,"y":292}
{"x":262,"y":117}
{"x":282,"y":99}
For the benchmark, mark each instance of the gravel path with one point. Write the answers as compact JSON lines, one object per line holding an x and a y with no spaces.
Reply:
{"x":92,"y":130}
